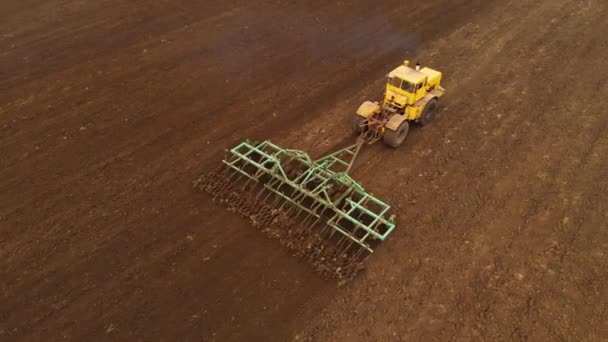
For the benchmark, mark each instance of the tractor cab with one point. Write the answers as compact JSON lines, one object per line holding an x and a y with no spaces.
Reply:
{"x":405,"y":86}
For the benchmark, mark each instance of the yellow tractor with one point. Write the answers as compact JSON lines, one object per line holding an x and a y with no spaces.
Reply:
{"x":314,"y":206}
{"x":411,"y":95}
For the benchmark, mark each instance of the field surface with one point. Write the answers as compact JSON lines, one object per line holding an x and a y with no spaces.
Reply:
{"x":109,"y":110}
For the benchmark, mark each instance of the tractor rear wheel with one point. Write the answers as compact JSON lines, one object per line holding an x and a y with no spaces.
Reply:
{"x":429,"y":111}
{"x":395,"y":138}
{"x":358,"y":123}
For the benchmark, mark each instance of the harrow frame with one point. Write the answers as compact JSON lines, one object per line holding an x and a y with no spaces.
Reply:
{"x":316,"y":182}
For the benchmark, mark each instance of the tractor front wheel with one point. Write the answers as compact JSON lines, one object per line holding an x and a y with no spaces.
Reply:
{"x":395,"y":138}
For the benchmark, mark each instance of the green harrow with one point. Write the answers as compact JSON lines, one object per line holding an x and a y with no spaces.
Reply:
{"x":312,"y":206}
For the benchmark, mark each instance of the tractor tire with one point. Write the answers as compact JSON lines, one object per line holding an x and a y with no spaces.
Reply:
{"x":395,"y":138}
{"x":358,"y":124}
{"x":429,"y":112}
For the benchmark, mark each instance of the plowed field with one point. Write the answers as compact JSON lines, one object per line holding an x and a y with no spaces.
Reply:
{"x":109,"y":110}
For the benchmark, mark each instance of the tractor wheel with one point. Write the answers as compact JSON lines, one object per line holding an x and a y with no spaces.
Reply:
{"x":396,"y":138}
{"x":358,"y":122}
{"x":429,"y":111}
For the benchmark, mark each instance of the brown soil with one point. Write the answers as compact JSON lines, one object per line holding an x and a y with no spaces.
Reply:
{"x":109,"y":110}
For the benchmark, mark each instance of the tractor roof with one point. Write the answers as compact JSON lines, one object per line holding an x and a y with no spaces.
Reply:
{"x":408,"y":74}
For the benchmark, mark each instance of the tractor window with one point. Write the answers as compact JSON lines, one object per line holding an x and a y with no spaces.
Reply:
{"x":394,"y":81}
{"x":407,"y":86}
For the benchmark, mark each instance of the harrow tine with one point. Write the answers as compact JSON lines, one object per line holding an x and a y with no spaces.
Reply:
{"x":261,"y":192}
